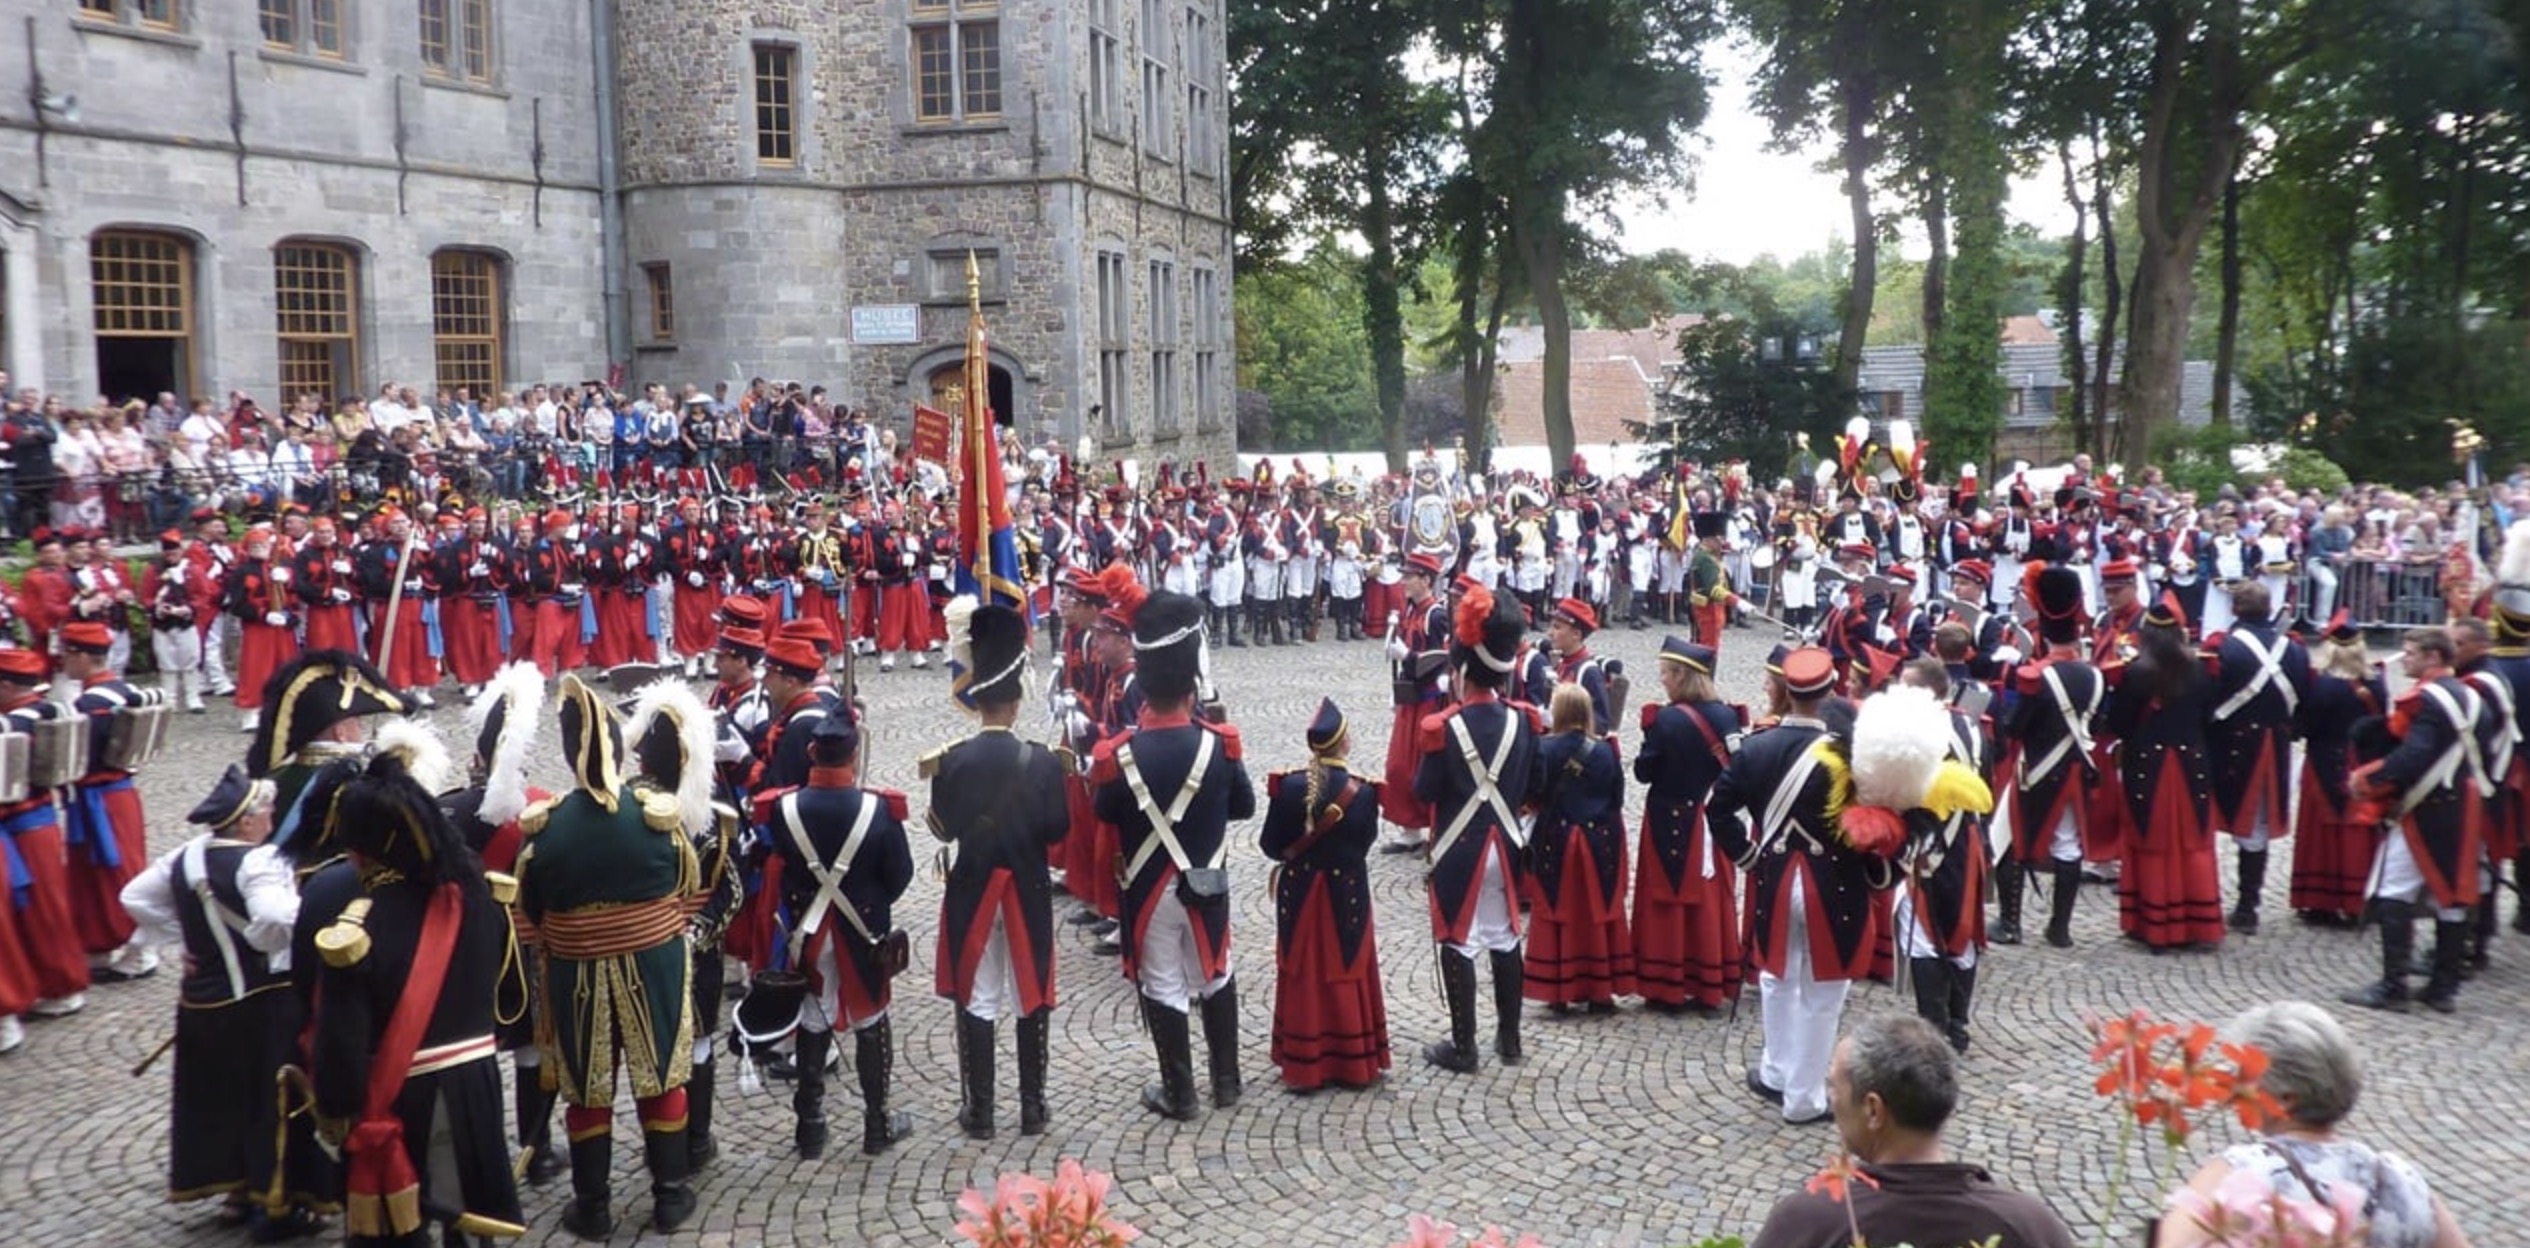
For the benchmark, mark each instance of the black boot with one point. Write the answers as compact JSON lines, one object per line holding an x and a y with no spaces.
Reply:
{"x":1963,"y":993}
{"x":535,"y":1128}
{"x":2521,"y":892}
{"x":1221,"y":1045}
{"x":808,"y":1096}
{"x":670,"y":1160}
{"x":2244,"y":916}
{"x":1034,"y":1031}
{"x":2068,"y":889}
{"x":1931,"y":977}
{"x":1274,"y":623}
{"x":2010,"y":880}
{"x":1458,"y":988}
{"x":1174,"y":1095}
{"x":1230,"y":622}
{"x":2482,"y":925}
{"x":590,"y":1215}
{"x":1507,"y":974}
{"x":699,"y":1089}
{"x":2398,"y":944}
{"x":2450,"y":959}
{"x":975,"y":1070}
{"x":874,"y":1053}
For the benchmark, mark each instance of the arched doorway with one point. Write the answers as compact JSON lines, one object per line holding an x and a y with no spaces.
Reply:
{"x":948,"y":384}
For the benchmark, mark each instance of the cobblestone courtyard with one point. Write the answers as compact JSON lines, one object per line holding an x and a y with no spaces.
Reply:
{"x":1623,"y":1130}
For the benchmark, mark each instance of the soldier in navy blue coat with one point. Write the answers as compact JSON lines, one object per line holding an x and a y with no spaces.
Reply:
{"x":1940,"y":914}
{"x":1811,"y":922}
{"x":2420,"y":777}
{"x":844,"y":864}
{"x":1478,"y":762}
{"x":2058,"y":697}
{"x":1000,"y":801}
{"x":1172,"y":785}
{"x":2261,"y":677}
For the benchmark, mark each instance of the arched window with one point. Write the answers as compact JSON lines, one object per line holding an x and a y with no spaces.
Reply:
{"x":316,"y":305}
{"x":468,"y":319}
{"x":141,"y":282}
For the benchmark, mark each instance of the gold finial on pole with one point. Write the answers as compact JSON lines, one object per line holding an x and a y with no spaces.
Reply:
{"x":974,"y":285}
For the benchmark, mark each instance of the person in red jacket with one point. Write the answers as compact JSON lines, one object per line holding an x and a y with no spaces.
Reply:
{"x":44,"y":599}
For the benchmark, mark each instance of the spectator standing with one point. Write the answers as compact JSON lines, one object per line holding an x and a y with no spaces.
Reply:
{"x":30,"y":436}
{"x":1893,"y":1084}
{"x":2330,"y":542}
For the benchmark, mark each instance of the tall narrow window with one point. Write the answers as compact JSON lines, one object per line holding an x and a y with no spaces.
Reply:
{"x":1155,"y":85}
{"x":1162,"y":307}
{"x":956,"y":59}
{"x":457,"y":39}
{"x":662,"y":303}
{"x":158,"y":14}
{"x":1202,"y":148}
{"x":1207,"y":349}
{"x":280,"y":20}
{"x":1115,"y":329}
{"x":315,"y":296}
{"x":142,"y":286}
{"x":467,"y":317}
{"x":776,"y":87}
{"x":1106,"y":61}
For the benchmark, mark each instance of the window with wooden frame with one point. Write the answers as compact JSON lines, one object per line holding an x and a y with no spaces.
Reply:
{"x":307,"y":27}
{"x":316,"y":303}
{"x":457,"y":40}
{"x":165,"y":15}
{"x":662,"y":302}
{"x":141,"y":287}
{"x":776,"y":95}
{"x":468,"y":320}
{"x":97,"y":9}
{"x":956,"y":58}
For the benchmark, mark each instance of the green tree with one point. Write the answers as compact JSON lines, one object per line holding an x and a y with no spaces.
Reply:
{"x":1303,"y":348}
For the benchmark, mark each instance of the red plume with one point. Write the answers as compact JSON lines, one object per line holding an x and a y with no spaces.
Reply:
{"x":1475,"y":606}
{"x":1875,"y":830}
{"x":2029,"y":573}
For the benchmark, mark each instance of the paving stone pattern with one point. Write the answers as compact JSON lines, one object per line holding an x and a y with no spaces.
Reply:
{"x":1619,"y":1131}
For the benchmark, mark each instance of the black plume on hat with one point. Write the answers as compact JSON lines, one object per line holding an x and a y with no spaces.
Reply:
{"x":1167,"y":645}
{"x":385,"y":816}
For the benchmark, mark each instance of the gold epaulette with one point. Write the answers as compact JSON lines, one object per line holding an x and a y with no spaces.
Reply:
{"x":725,"y":817}
{"x":929,"y":764}
{"x":659,"y":810}
{"x":532,"y":820}
{"x":345,"y":941}
{"x":504,"y":888}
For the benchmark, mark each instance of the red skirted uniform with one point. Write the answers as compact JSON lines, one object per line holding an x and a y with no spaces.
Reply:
{"x":696,"y":562}
{"x":322,"y":578}
{"x":1083,"y":876}
{"x":816,"y":560}
{"x":1686,"y":912}
{"x":1330,"y":1015}
{"x":1579,"y":951}
{"x":550,"y":634}
{"x":258,"y":596}
{"x":1424,"y":630}
{"x":2332,"y":850}
{"x":108,"y":837}
{"x":1093,"y":843}
{"x":375,"y":568}
{"x":38,"y":913}
{"x":619,"y":574}
{"x":473,"y":572}
{"x":2170,"y":893}
{"x":904,"y":606}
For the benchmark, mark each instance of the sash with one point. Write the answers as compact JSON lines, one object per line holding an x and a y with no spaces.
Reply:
{"x":383,"y":1193}
{"x":91,"y":825}
{"x":1487,"y":774}
{"x":2270,"y":671}
{"x":1778,"y":817}
{"x":829,"y":876}
{"x":1164,"y":821}
{"x":226,"y":925}
{"x":2077,"y":727}
{"x":435,"y":641}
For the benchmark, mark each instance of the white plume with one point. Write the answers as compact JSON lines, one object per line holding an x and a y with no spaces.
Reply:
{"x":1901,"y":439}
{"x":1968,"y":472}
{"x":425,"y":755}
{"x":1901,"y":736}
{"x":959,"y":618}
{"x":1826,"y":474}
{"x":505,"y":777}
{"x":696,"y":734}
{"x":1858,"y":430}
{"x":2514,"y":567}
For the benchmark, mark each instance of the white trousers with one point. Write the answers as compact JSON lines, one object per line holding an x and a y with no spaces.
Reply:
{"x":1492,"y":932}
{"x":2397,"y":877}
{"x":1800,"y":1019}
{"x":215,"y":650}
{"x":1914,"y":941}
{"x":1169,"y":959}
{"x":822,"y":1010}
{"x":179,"y":652}
{"x":995,"y":991}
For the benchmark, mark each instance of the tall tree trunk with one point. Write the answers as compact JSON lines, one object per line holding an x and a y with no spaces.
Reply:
{"x":1865,"y":278}
{"x":1937,"y":260}
{"x":2069,"y":297}
{"x":2191,"y":140}
{"x":1537,"y":235}
{"x":2112,"y":301}
{"x":1383,"y":317}
{"x":1476,"y":365}
{"x":2227,"y":331}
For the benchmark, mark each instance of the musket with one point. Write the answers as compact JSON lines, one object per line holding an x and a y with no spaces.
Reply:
{"x":395,"y":602}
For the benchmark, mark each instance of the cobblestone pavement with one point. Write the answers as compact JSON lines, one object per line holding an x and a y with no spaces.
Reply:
{"x":1623,"y":1130}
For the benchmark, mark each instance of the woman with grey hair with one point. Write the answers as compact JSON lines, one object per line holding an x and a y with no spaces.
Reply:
{"x":2313,"y":1072}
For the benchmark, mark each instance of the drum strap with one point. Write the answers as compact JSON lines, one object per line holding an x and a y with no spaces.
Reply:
{"x":226,"y":925}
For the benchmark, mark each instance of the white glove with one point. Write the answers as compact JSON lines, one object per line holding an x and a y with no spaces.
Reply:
{"x":281,"y":576}
{"x":1076,"y":726}
{"x":574,"y":588}
{"x":729,"y":748}
{"x":278,"y":619}
{"x":480,"y":569}
{"x":694,"y":579}
{"x":2007,"y":655}
{"x":1397,"y":650}
{"x":340,"y":594}
{"x":342,"y":567}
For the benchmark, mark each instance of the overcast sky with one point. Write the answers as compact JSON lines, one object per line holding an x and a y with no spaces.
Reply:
{"x":1749,"y":201}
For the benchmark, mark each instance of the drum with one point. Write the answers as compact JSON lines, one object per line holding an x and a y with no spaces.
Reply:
{"x":57,"y":752}
{"x":134,"y":736}
{"x":13,"y":767}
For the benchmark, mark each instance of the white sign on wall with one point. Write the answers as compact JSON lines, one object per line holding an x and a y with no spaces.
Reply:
{"x":886,"y":324}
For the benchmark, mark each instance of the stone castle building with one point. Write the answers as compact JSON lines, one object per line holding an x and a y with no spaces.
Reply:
{"x":278,"y":196}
